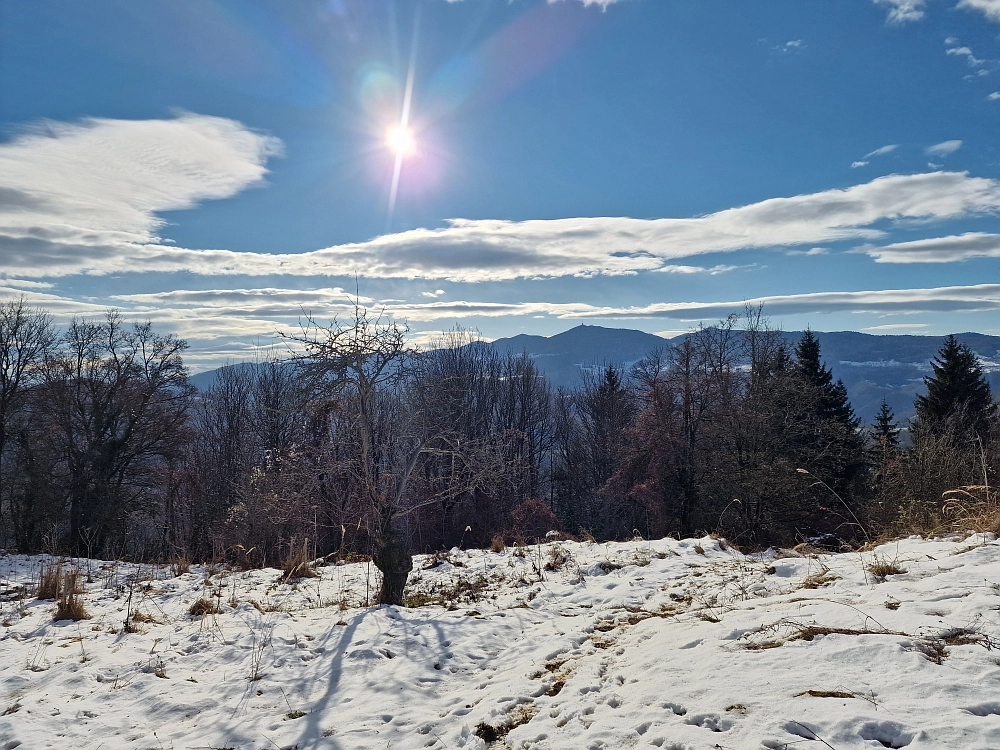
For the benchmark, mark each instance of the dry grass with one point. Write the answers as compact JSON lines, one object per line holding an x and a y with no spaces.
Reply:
{"x":827,"y":694}
{"x":49,"y":581}
{"x":520,"y":715}
{"x":298,"y":564}
{"x":180,"y":565}
{"x":818,"y":580}
{"x":882,"y":567}
{"x":69,"y":605}
{"x":460,"y":591}
{"x":498,"y":544}
{"x":796,"y":631}
{"x":203,"y":607}
{"x":558,"y":557}
{"x":440,"y":558}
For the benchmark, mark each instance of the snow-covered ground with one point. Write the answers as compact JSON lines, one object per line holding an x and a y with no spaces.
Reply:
{"x":669,"y":644}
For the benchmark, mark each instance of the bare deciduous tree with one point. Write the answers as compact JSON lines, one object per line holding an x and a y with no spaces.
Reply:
{"x":366,"y":363}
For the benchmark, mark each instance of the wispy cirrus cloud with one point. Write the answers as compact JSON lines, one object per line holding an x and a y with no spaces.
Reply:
{"x":979,"y":298}
{"x":944,"y":148}
{"x":902,"y":11}
{"x":882,"y":150}
{"x":810,"y":251}
{"x":228,"y":324}
{"x":217,"y":305}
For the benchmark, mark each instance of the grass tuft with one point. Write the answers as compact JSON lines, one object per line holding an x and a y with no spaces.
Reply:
{"x":70,"y":606}
{"x":203,"y":607}
{"x":298,"y":564}
{"x":882,"y":567}
{"x":49,"y":581}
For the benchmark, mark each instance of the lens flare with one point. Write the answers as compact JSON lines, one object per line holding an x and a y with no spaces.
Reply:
{"x":400,"y":141}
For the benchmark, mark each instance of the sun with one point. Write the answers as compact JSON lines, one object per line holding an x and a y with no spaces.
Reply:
{"x":400,"y":140}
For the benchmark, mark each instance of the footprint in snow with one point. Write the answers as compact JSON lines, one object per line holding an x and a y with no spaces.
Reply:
{"x":678,"y":709}
{"x":886,"y":733}
{"x":713,"y":722}
{"x":984,"y":709}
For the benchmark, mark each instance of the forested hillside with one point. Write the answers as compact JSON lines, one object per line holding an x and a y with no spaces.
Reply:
{"x":360,"y":444}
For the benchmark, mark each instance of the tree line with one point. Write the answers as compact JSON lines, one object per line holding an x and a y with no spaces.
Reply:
{"x":357,"y":444}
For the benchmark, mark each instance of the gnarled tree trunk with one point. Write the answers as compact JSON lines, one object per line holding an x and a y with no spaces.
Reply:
{"x":394,"y":561}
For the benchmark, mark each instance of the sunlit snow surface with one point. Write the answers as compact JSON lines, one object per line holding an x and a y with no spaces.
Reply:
{"x":571,"y":656}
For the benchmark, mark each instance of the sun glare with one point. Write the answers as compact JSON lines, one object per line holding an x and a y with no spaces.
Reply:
{"x":400,"y":140}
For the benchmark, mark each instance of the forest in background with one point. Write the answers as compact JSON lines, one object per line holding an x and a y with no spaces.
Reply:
{"x":358,"y":444}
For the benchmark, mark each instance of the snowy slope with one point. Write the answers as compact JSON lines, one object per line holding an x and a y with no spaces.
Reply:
{"x":643,"y":644}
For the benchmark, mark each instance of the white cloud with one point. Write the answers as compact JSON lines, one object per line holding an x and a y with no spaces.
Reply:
{"x":99,"y":183}
{"x":262,"y":301}
{"x":670,"y":334}
{"x":856,"y":164}
{"x":896,"y":327}
{"x":23,"y":283}
{"x":994,"y":96}
{"x":810,"y":251}
{"x":795,"y":45}
{"x":967,"y":53}
{"x":944,"y":148}
{"x":937,"y":250}
{"x":882,"y":151}
{"x":983,"y":297}
{"x":714,"y":270}
{"x":901,"y":11}
{"x":436,"y":293}
{"x":989,"y":8}
{"x":602,"y":4}
{"x":84,"y":198}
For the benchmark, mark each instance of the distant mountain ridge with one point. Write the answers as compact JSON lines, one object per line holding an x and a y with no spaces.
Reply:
{"x":872,"y":366}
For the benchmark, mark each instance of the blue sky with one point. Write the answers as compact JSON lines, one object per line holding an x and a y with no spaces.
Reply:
{"x":222,"y":167}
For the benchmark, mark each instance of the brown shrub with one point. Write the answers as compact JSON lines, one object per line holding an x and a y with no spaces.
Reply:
{"x":532,"y":519}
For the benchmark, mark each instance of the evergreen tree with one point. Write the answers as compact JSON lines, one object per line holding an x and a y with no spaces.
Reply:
{"x":958,"y":395}
{"x":833,"y":400}
{"x":885,"y":431}
{"x":827,"y":438}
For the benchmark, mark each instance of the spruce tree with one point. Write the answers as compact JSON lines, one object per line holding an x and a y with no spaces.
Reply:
{"x":958,"y":395}
{"x":833,"y":400}
{"x":885,"y":430}
{"x":828,"y":438}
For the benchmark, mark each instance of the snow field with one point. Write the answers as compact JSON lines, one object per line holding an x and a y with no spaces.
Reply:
{"x":680,"y":645}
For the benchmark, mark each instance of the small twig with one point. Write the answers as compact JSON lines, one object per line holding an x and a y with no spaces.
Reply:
{"x":814,"y":735}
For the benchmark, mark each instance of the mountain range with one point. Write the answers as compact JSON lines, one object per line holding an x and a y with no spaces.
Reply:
{"x":873,"y":367}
